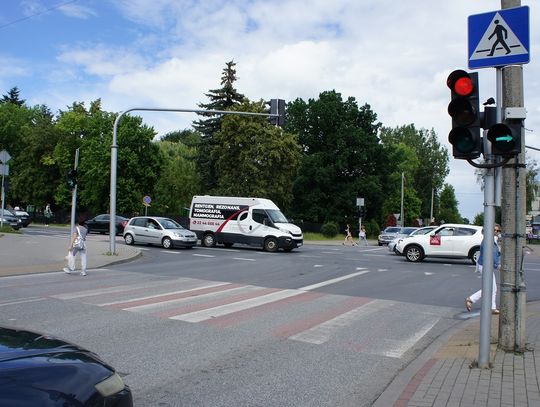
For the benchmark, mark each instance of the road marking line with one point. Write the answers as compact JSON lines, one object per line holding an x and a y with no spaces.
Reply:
{"x":321,"y":333}
{"x":332,"y":281}
{"x":22,"y":301}
{"x":243,"y":259}
{"x":403,"y":345}
{"x":203,"y":315}
{"x":318,"y":265}
{"x":204,"y":255}
{"x":188,"y":298}
{"x":156,"y":296}
{"x":169,"y":252}
{"x":118,"y":289}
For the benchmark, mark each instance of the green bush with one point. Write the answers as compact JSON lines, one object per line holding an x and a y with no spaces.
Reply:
{"x":372,"y":229}
{"x":329,"y":229}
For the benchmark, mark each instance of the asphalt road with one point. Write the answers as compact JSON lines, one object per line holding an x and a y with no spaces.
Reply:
{"x":320,"y":326}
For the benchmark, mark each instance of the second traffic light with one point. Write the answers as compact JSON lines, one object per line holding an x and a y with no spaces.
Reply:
{"x":505,"y":138}
{"x":277,"y":106}
{"x":72,"y":178}
{"x":464,"y":108}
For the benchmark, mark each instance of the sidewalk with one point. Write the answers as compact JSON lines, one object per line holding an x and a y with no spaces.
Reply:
{"x":443,"y":375}
{"x":26,"y":254}
{"x":440,"y":376}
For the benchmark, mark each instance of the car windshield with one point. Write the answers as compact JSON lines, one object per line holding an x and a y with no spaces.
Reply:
{"x":408,"y":231}
{"x":169,"y":224}
{"x":276,"y":216}
{"x":392,"y":230}
{"x":423,"y":231}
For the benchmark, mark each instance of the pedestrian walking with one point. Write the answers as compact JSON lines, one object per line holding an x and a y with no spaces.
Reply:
{"x":348,"y":236}
{"x":48,"y":214}
{"x":77,"y":245}
{"x":362,"y":237}
{"x":469,"y":301}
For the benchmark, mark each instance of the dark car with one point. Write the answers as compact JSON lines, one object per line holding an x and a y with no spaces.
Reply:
{"x":9,"y":218}
{"x":100,"y":224}
{"x":40,"y":370}
{"x":23,"y":216}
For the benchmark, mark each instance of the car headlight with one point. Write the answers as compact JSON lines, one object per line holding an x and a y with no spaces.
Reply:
{"x":110,"y":386}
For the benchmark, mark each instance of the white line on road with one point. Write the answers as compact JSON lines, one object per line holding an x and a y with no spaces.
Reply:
{"x":403,"y":345}
{"x":22,"y":301}
{"x":222,"y":310}
{"x":204,"y":255}
{"x":169,"y":252}
{"x":321,"y":333}
{"x":243,"y":259}
{"x":332,"y":281}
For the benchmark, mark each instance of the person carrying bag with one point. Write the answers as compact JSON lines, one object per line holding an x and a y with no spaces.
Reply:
{"x":77,"y":245}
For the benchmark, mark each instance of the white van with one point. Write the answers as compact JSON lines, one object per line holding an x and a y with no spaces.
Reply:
{"x":252,"y":221}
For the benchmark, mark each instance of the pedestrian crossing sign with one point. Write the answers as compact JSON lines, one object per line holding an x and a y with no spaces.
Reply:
{"x":499,"y":38}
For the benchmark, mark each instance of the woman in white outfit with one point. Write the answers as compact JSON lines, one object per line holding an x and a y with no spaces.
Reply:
{"x":79,"y":233}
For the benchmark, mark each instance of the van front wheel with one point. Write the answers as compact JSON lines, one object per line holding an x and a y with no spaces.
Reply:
{"x":270,"y":244}
{"x":208,"y":240}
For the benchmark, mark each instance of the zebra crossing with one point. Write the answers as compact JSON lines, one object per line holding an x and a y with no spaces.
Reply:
{"x":302,"y":315}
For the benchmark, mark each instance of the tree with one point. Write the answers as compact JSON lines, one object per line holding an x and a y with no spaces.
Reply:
{"x":13,"y":97}
{"x":178,"y":180}
{"x":432,"y":168}
{"x":187,"y":137}
{"x":254,"y":158}
{"x":223,"y":98}
{"x":448,"y":211}
{"x":34,"y":175}
{"x":341,"y":158}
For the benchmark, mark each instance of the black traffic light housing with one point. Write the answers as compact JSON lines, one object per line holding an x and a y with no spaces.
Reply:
{"x":505,"y":138}
{"x":464,"y":108}
{"x":277,"y":106}
{"x":72,"y":178}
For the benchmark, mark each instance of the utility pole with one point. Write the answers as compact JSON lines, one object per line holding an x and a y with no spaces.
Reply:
{"x":512,"y":301}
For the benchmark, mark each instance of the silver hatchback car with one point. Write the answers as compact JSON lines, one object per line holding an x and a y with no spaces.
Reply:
{"x":158,"y":231}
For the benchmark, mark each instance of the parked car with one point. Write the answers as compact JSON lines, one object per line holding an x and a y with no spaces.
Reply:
{"x":449,"y":240}
{"x":391,"y":232}
{"x":40,"y":370}
{"x":9,"y":218}
{"x":101,"y":224}
{"x":158,"y":231}
{"x":23,"y":216}
{"x":399,"y":237}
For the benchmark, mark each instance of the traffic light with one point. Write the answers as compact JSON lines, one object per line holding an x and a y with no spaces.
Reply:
{"x":505,"y":138}
{"x":464,"y":108}
{"x":277,"y":106}
{"x":72,"y":178}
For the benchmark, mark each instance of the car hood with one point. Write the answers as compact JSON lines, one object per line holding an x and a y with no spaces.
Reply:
{"x":18,"y":344}
{"x":289,"y":227}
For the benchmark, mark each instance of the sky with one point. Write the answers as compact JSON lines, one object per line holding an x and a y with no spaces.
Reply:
{"x":393,"y":55}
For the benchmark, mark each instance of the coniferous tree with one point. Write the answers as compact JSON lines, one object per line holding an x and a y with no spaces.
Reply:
{"x":13,"y":97}
{"x":223,"y":98}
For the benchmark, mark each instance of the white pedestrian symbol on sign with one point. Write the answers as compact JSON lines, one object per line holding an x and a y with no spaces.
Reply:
{"x":498,"y":40}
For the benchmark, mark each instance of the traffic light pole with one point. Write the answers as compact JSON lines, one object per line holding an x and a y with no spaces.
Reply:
{"x":487,"y":260}
{"x":74,"y":197}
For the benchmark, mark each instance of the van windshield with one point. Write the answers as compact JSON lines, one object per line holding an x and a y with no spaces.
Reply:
{"x":276,"y":216}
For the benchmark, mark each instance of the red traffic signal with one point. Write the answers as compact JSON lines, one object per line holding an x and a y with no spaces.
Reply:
{"x":464,"y":108}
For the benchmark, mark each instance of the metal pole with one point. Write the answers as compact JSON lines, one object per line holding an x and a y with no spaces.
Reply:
{"x":114,"y":156}
{"x":402,"y":215}
{"x":74,"y":196}
{"x":487,"y":261}
{"x":3,"y":198}
{"x":431,"y":210}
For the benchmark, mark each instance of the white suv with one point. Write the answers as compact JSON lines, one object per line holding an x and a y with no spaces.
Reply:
{"x":449,"y":240}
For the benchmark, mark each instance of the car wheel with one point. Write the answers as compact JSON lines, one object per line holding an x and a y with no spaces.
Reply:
{"x":414,"y":253}
{"x":474,"y":254}
{"x":166,"y":243}
{"x":270,"y":244}
{"x":129,"y":239}
{"x":208,"y":240}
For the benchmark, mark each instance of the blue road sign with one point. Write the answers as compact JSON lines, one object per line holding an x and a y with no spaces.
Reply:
{"x":499,"y":38}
